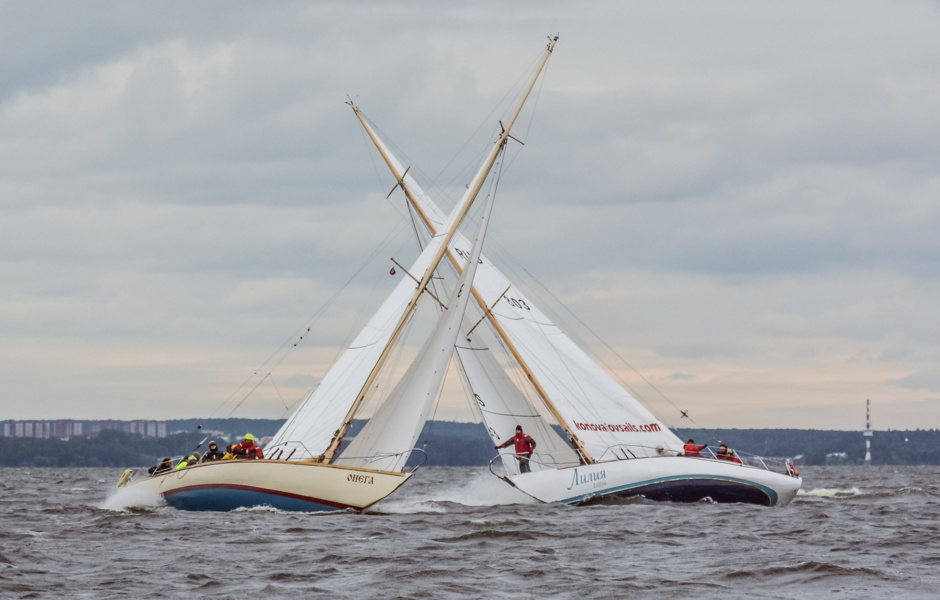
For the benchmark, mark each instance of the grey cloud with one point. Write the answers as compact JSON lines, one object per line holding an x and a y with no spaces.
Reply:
{"x":733,"y":188}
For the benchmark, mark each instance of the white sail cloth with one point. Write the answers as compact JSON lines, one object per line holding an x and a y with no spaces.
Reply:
{"x":609,"y":422}
{"x":309,"y":430}
{"x":384,"y":442}
{"x":504,"y":406}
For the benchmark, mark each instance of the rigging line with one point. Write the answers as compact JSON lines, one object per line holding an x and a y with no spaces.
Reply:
{"x":400,"y":152}
{"x":308,"y":324}
{"x":515,"y":89}
{"x":368,"y":144}
{"x":605,"y":344}
{"x":246,"y":396}
{"x":278,"y":392}
{"x":532,"y":113}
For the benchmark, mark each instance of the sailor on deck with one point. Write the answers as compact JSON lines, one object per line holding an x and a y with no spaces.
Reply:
{"x":725,"y":454}
{"x":187,"y":461}
{"x":248,"y":448}
{"x":213,"y":454}
{"x":524,"y":447}
{"x":690,"y":449}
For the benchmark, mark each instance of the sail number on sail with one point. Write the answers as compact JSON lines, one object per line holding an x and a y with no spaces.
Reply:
{"x":466,"y":255}
{"x":518,"y":303}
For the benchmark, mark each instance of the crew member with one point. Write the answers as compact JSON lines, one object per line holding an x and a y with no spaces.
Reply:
{"x":248,"y":448}
{"x":229,"y":452}
{"x":690,"y":449}
{"x":165,"y":465}
{"x":524,"y":447}
{"x":725,"y":454}
{"x":187,"y":461}
{"x":213,"y":454}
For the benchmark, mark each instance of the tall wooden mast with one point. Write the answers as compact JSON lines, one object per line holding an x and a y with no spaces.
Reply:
{"x":474,"y":190}
{"x":543,"y":394}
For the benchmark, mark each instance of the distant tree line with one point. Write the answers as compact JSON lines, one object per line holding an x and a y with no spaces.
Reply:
{"x":916,"y":447}
{"x":461,"y":444}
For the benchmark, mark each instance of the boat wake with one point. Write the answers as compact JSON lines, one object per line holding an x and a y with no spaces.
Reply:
{"x":830,"y":493}
{"x":480,"y":490}
{"x":132,"y":497}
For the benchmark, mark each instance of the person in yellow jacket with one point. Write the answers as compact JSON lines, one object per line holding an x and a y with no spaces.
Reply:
{"x":188,"y":460}
{"x":229,"y":452}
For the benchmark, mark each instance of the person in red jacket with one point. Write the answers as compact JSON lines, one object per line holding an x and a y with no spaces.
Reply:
{"x":524,"y":447}
{"x":728,"y":455}
{"x":690,"y":449}
{"x":248,"y":448}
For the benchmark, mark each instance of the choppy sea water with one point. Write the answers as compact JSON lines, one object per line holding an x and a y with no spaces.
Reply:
{"x":460,"y":533}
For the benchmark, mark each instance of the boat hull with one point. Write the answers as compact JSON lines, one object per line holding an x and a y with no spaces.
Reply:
{"x":668,"y":478}
{"x":294,"y":486}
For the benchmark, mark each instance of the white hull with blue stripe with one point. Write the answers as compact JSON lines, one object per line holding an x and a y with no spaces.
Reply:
{"x":669,"y":478}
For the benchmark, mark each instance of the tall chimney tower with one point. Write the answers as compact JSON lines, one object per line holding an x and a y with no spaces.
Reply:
{"x":867,"y":433}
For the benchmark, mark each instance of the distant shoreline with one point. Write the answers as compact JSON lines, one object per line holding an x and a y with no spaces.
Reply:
{"x":459,"y":444}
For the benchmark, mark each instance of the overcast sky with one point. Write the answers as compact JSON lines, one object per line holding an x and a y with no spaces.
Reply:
{"x":742,"y":199}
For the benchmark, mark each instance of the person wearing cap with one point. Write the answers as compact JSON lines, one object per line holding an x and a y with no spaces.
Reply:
{"x":248,"y":448}
{"x":213,"y":454}
{"x":187,"y":461}
{"x":524,"y":445}
{"x":690,"y":449}
{"x":725,"y":454}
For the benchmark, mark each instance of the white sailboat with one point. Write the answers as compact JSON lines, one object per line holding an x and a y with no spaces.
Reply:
{"x":304,"y":468}
{"x":610,"y":443}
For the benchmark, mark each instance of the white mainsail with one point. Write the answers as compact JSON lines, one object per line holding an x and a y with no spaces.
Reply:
{"x":607,"y":420}
{"x":310,"y":429}
{"x":318,"y":426}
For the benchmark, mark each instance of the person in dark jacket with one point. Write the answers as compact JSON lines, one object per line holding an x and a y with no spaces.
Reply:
{"x":524,"y":445}
{"x":213,"y":454}
{"x":164,"y":466}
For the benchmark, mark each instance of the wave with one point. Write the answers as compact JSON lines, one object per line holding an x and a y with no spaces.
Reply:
{"x":806,"y":572}
{"x":132,"y":497}
{"x":830,"y":493}
{"x":479,"y":490}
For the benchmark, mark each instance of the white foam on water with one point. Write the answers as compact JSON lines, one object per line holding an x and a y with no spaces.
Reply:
{"x":830,"y":493}
{"x":482,"y":489}
{"x":477,"y":490}
{"x":132,"y":496}
{"x":264,"y":508}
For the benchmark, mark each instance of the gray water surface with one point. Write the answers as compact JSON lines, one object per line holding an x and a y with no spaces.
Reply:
{"x":852,"y":532}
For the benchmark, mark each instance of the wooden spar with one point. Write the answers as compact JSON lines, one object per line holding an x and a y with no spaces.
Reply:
{"x":330,"y":452}
{"x":489,"y":310}
{"x":415,"y":279}
{"x":481,"y":302}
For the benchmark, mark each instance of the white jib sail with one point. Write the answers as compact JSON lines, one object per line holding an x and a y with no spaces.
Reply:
{"x":503,"y":406}
{"x":385,"y":440}
{"x":309,"y":430}
{"x":610,"y":423}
